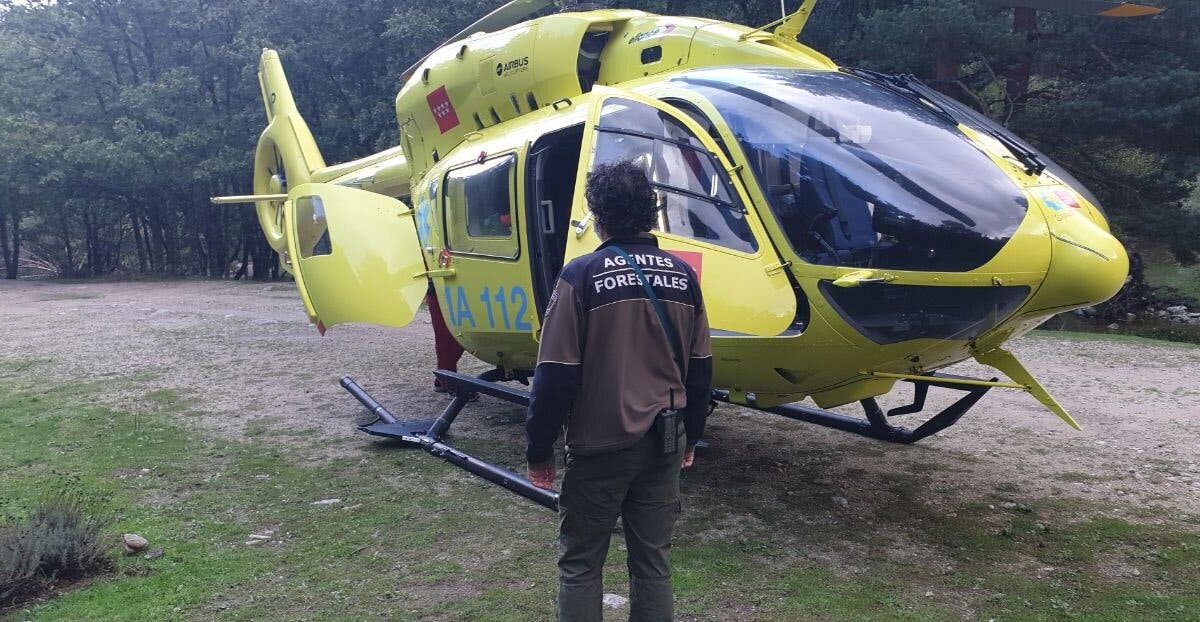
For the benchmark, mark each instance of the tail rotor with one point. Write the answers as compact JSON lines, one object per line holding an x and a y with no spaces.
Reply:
{"x":287,"y":155}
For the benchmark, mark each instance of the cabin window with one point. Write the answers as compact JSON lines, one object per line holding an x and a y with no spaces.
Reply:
{"x":478,"y":207}
{"x":694,"y":192}
{"x":312,"y":230}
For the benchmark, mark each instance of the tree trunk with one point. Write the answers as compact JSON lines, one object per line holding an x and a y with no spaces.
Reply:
{"x":10,"y":267}
{"x":138,"y":241}
{"x":64,"y":232}
{"x":89,"y":242}
{"x":1017,"y":83}
{"x":8,"y":263}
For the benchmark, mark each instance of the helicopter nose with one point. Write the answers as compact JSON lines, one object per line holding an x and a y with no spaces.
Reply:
{"x":1087,"y":264}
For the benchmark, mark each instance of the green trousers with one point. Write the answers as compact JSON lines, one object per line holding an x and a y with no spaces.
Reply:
{"x":642,"y":486}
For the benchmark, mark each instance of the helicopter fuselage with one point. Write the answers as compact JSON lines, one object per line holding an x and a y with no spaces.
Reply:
{"x":845,"y":234}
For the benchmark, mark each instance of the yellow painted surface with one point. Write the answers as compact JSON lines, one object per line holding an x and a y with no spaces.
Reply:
{"x":366,"y":272}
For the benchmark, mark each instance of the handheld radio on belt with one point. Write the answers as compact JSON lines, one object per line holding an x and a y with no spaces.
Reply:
{"x":666,"y":424}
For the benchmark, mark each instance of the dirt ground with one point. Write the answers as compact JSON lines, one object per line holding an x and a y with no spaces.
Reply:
{"x":245,"y":359}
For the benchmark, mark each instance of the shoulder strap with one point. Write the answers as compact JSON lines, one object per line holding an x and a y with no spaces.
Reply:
{"x":668,"y":326}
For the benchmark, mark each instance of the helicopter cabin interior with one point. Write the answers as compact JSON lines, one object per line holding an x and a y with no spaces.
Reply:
{"x":550,"y":189}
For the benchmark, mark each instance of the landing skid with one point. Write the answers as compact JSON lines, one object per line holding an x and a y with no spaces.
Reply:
{"x":876,"y":424}
{"x":428,"y":434}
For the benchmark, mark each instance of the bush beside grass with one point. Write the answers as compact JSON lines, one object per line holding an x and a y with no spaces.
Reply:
{"x":58,"y":543}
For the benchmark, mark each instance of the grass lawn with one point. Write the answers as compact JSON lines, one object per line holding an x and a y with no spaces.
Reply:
{"x":413,"y":538}
{"x":1186,"y":279}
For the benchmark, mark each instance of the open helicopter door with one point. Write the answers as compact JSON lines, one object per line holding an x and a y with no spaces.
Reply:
{"x":705,"y":216}
{"x":355,"y":256}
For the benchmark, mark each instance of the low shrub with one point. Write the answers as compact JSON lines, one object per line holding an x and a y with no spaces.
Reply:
{"x":59,"y":542}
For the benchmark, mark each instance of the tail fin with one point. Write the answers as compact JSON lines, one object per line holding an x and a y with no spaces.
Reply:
{"x":287,"y":154}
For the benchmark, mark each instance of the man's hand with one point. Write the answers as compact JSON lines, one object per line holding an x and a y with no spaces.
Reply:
{"x":689,"y":456}
{"x":542,"y":475}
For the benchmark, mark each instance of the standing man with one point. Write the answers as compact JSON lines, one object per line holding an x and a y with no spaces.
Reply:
{"x":625,"y":364}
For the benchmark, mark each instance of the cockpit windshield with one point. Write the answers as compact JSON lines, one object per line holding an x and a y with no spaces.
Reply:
{"x":861,"y":176}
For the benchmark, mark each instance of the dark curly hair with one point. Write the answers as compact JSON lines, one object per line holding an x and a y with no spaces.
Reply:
{"x":621,"y":199}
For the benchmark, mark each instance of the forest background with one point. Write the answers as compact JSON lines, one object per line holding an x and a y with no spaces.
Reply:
{"x":120,"y":118}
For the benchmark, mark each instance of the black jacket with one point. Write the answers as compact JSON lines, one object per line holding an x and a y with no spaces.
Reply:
{"x":605,"y":366}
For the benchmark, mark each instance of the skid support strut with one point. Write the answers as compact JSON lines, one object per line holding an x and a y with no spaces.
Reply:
{"x":876,"y":423}
{"x":428,"y":434}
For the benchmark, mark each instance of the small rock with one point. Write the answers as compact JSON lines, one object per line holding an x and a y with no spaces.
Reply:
{"x":841,"y":501}
{"x":254,"y":542}
{"x":134,"y":543}
{"x":1129,"y":317}
{"x":615,"y":601}
{"x":154,"y":553}
{"x":327,"y":502}
{"x":259,"y":536}
{"x":928,"y":594}
{"x":1177,"y":310}
{"x":1008,"y":505}
{"x":1114,"y":326}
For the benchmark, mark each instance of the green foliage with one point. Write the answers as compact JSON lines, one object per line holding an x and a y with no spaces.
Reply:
{"x":58,"y":542}
{"x":920,"y":35}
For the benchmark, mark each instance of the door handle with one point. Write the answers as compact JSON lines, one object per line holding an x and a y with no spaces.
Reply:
{"x":581,"y":226}
{"x":429,"y":274}
{"x":863,"y":277}
{"x":776,"y":268}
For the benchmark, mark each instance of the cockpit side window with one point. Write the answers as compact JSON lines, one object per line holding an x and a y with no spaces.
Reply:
{"x":701,"y":119}
{"x":694,"y":192}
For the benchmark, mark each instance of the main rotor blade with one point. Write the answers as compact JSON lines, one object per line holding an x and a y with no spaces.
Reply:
{"x":513,"y":12}
{"x":1103,"y":8}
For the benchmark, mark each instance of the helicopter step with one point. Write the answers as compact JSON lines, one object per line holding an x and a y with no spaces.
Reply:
{"x":427,"y":434}
{"x":876,"y":423}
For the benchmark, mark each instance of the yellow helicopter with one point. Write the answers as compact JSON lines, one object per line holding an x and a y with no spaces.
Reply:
{"x":850,"y":229}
